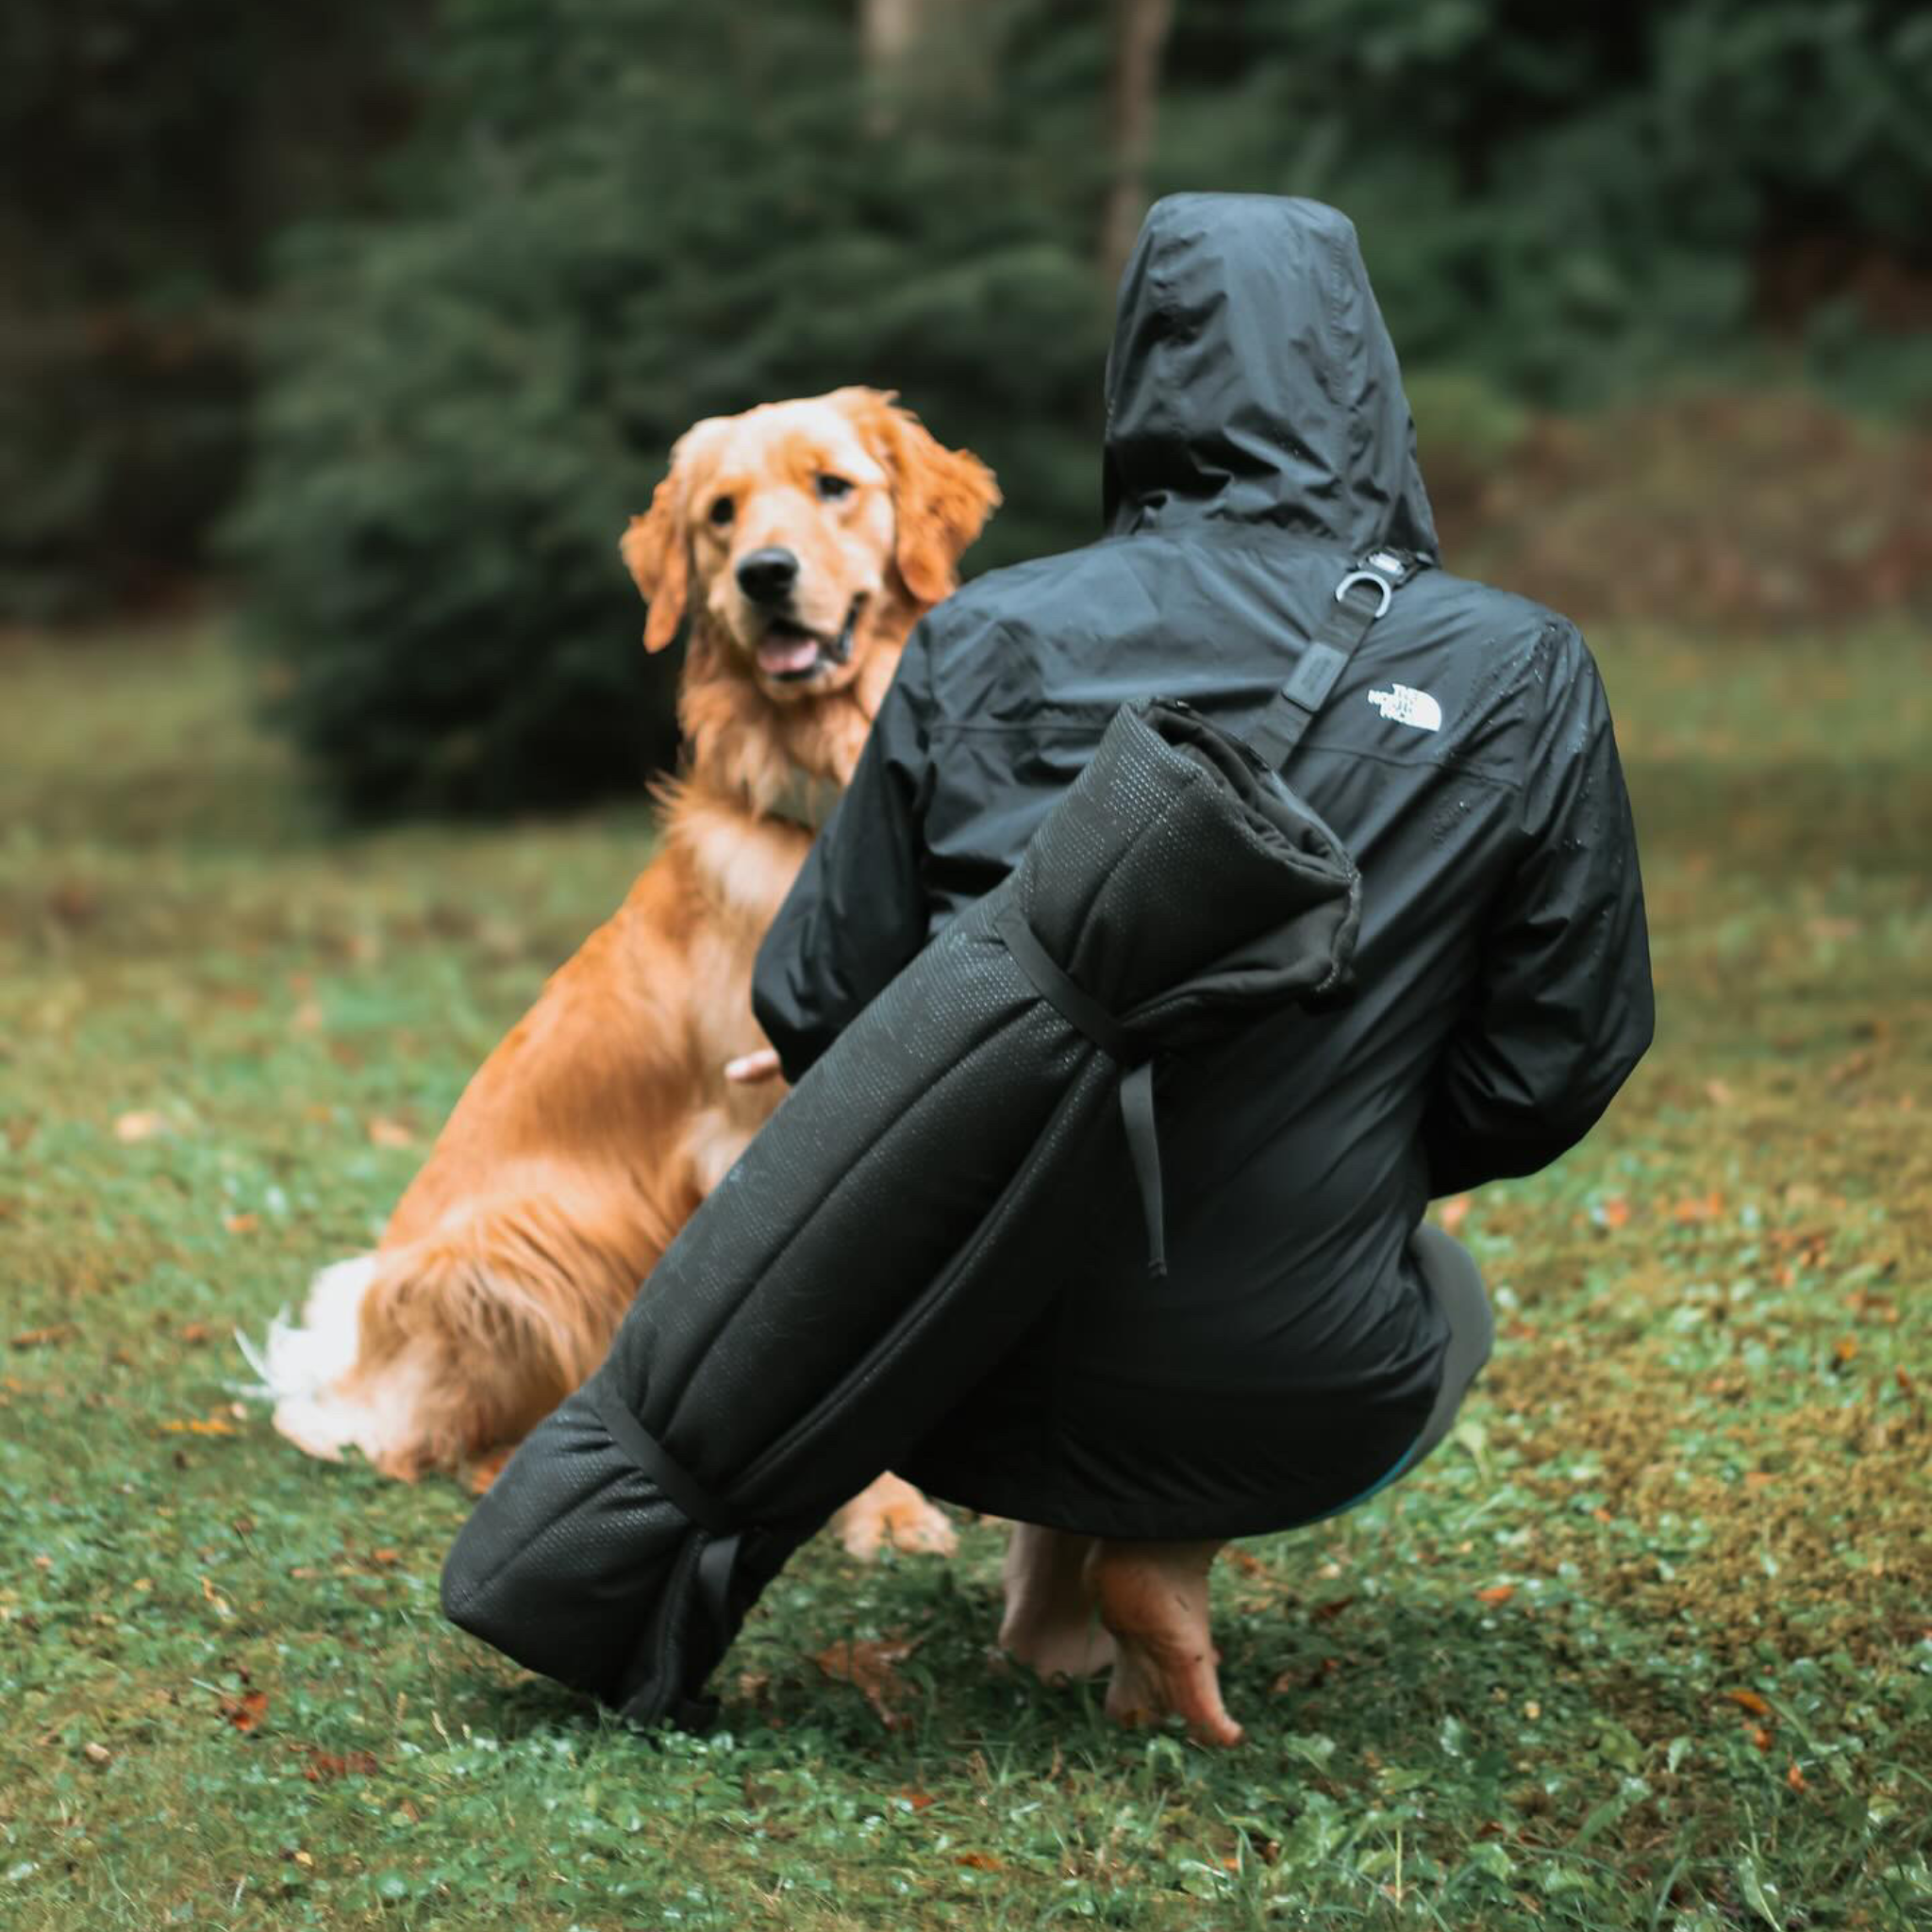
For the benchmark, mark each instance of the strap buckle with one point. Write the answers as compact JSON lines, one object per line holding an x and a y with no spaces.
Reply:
{"x":1388,"y":569}
{"x":1398,"y":566}
{"x":1366,"y":577}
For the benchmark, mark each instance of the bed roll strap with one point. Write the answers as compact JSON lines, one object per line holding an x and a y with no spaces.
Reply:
{"x":1080,"y":1010}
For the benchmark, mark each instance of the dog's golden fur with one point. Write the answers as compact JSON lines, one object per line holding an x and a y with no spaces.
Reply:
{"x":598,"y":1125}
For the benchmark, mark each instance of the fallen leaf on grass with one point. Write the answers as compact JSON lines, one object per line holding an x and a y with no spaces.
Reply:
{"x":919,"y":1800}
{"x":1749,"y":1700}
{"x":41,"y":1337}
{"x":1698,"y":1208}
{"x":242,"y":1224}
{"x":1718,"y":1093}
{"x":1615,"y":1212}
{"x":247,"y":1712}
{"x":325,"y":1767}
{"x":1796,"y":1779}
{"x":1496,"y":1593}
{"x":200,"y":1425}
{"x":1333,"y":1607}
{"x":980,"y":1861}
{"x":131,"y":1127}
{"x":869,"y":1668}
{"x":1762,"y":1738}
{"x":99,"y":1754}
{"x":386,"y":1133}
{"x":1453,"y":1212}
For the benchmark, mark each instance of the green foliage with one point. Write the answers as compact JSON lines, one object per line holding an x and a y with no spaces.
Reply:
{"x":1573,"y":201}
{"x":645,"y":216}
{"x":631,"y":216}
{"x":147,"y":149}
{"x":1643,"y":1647}
{"x":520,"y":246}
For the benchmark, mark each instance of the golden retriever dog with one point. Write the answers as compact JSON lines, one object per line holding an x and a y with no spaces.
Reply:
{"x":802,"y":541}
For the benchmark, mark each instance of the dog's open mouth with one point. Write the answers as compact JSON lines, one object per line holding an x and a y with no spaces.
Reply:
{"x":790,"y":652}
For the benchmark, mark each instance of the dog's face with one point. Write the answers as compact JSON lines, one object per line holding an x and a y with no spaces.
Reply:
{"x":798,"y":533}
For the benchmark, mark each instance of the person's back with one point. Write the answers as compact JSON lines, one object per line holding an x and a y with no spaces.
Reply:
{"x":1258,"y":448}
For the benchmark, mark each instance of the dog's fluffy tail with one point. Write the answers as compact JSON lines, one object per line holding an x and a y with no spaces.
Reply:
{"x":299,"y":1360}
{"x":314,"y":1370}
{"x":429,"y":1355}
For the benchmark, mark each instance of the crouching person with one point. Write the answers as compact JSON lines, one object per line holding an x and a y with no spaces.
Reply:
{"x":1311,"y":1339}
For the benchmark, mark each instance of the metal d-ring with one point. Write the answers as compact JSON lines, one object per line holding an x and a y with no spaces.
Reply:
{"x":1366,"y":577}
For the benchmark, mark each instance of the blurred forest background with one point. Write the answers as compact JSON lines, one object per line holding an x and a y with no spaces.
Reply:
{"x":380,"y":318}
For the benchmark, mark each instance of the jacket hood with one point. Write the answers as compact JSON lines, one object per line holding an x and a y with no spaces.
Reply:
{"x":1252,"y":381}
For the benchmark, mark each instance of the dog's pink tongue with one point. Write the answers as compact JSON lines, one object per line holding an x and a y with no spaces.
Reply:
{"x":782,"y":654}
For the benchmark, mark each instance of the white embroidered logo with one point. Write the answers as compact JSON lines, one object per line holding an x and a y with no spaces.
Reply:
{"x":1402,"y":706}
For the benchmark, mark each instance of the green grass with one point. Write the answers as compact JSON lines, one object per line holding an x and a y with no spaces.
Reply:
{"x":1650,"y":1646}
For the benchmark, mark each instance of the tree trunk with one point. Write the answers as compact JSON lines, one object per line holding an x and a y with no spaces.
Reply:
{"x":887,"y":32}
{"x":1140,"y":38}
{"x":920,"y":55}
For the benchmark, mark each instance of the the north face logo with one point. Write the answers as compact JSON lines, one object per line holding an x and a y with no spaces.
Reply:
{"x":1402,"y":706}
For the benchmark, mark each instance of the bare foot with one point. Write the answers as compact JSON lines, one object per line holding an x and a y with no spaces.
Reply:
{"x":890,"y":1510}
{"x":1052,"y":1622}
{"x":1154,"y":1598}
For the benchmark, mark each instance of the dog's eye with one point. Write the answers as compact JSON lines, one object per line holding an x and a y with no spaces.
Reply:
{"x":832,"y":488}
{"x":723,"y":510}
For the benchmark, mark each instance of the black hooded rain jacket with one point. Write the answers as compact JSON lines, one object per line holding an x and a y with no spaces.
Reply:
{"x":1258,"y":444}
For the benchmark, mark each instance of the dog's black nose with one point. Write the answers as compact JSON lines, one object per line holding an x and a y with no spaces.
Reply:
{"x":766,"y":576}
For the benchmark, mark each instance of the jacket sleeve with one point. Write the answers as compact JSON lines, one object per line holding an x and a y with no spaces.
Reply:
{"x":1563,"y":1008}
{"x":857,"y":914}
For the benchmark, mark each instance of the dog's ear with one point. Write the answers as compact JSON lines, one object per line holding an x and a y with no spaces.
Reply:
{"x":941,"y":497}
{"x":658,"y":555}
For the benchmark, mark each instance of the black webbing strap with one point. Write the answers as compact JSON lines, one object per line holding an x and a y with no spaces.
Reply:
{"x":717,"y":1562}
{"x":1360,"y":597}
{"x":1083,"y":1011}
{"x":652,"y":1457}
{"x":1143,"y":1145}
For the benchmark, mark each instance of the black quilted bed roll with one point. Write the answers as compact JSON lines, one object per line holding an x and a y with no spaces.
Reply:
{"x":891,"y":1231}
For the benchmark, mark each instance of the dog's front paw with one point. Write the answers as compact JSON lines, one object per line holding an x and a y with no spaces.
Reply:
{"x":480,"y":1472}
{"x":891,"y":1511}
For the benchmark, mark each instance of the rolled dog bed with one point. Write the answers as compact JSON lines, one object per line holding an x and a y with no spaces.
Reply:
{"x":892,"y":1230}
